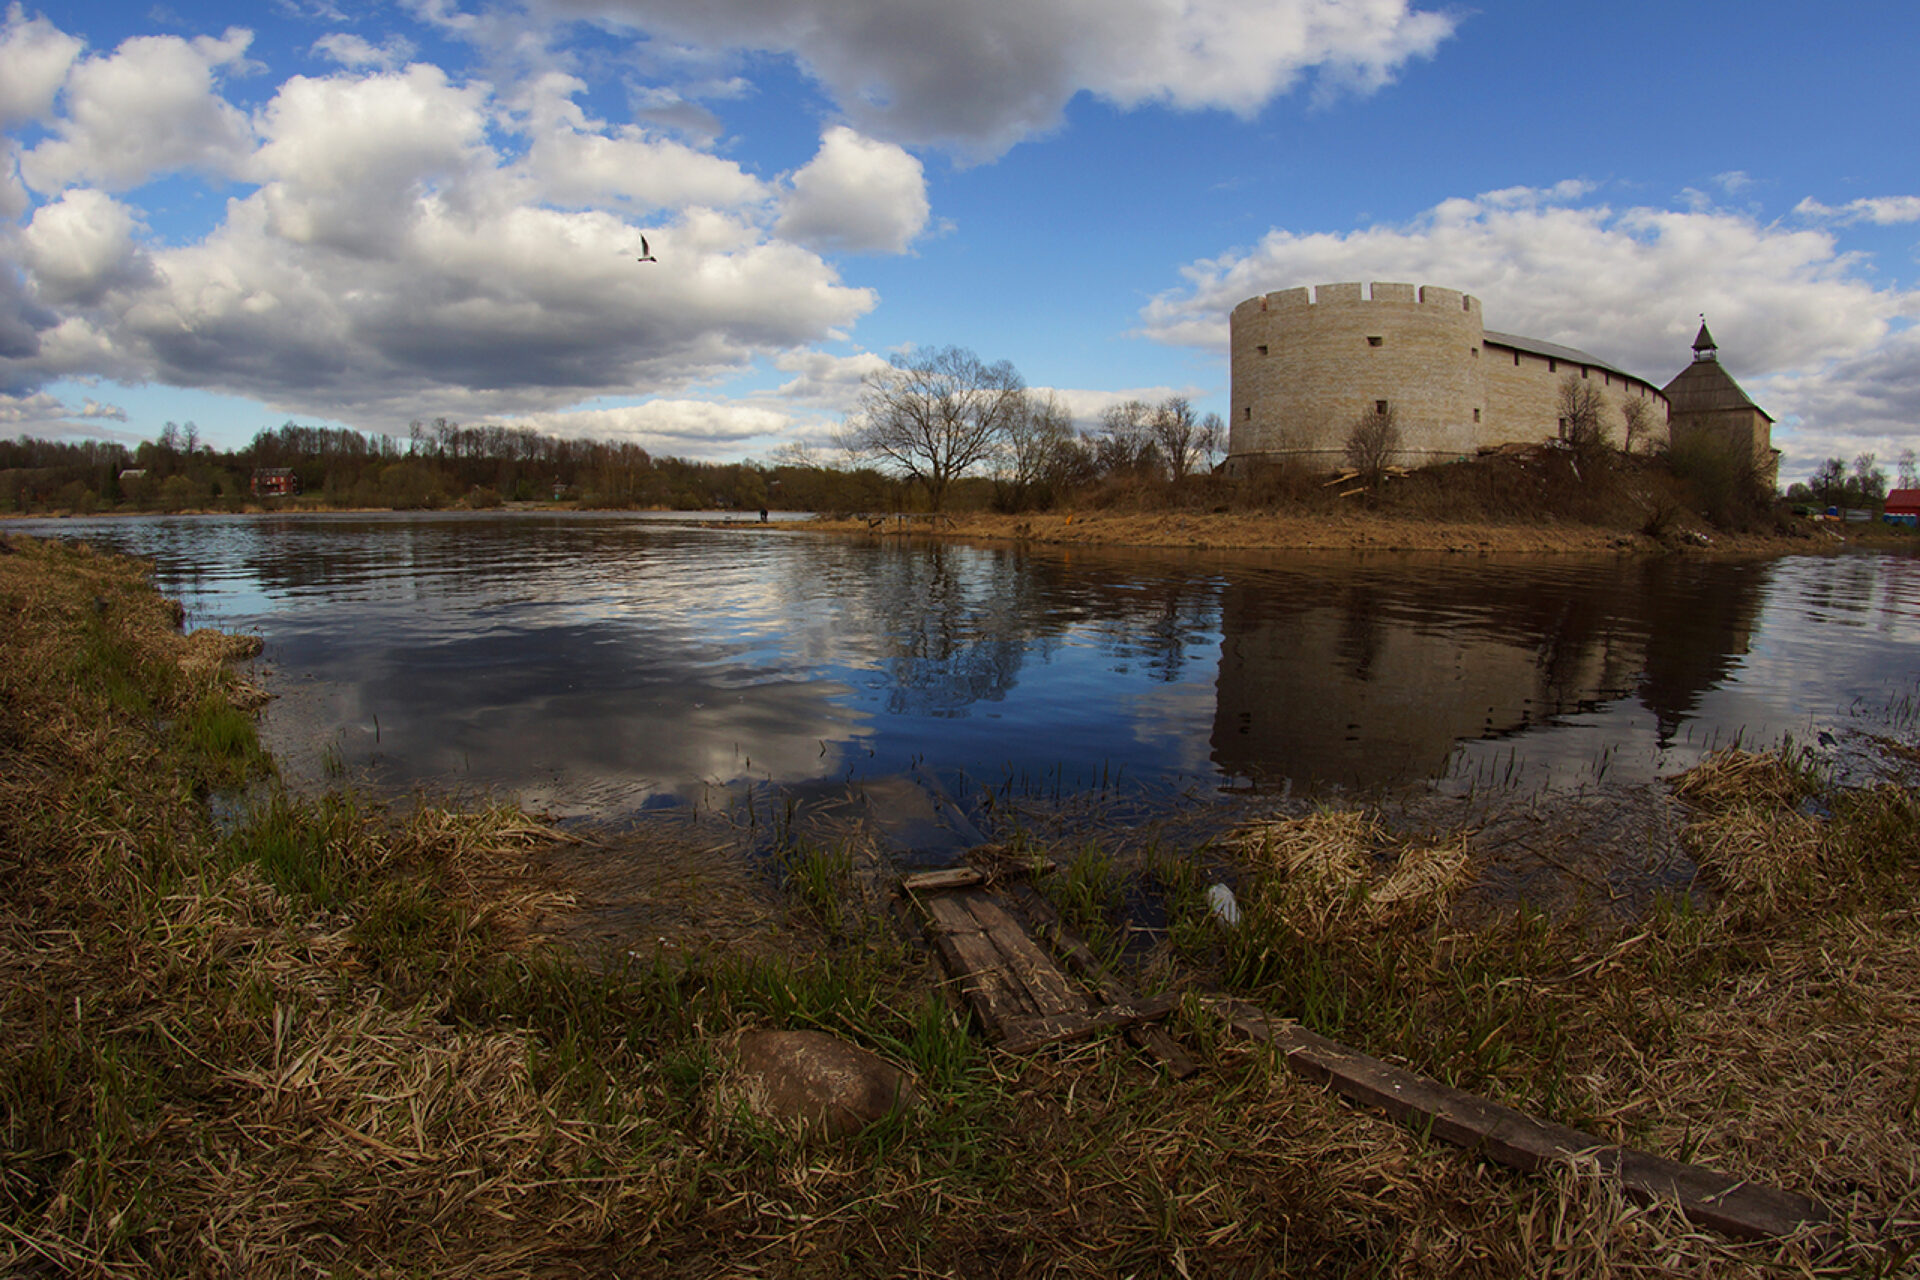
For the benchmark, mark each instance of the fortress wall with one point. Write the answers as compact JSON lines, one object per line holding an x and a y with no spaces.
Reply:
{"x":1523,"y":398}
{"x":1307,"y":365}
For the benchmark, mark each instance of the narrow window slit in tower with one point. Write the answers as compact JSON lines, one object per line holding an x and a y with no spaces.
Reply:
{"x":1374,"y":342}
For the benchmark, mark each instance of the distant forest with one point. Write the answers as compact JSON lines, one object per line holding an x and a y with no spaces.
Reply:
{"x":1036,"y":459}
{"x":440,"y":464}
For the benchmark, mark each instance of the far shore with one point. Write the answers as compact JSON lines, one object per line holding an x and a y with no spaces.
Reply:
{"x":1198,"y":530}
{"x":1344,"y":531}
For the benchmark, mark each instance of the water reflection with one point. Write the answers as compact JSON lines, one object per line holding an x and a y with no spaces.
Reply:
{"x":601,"y":664}
{"x":1370,"y":675}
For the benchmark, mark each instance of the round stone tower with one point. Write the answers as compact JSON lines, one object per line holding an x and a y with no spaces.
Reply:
{"x":1307,"y":365}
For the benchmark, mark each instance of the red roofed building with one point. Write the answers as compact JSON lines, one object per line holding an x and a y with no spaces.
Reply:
{"x":1903,"y":506}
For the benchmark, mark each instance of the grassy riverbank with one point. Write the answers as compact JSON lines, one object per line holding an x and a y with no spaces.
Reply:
{"x":1355,"y":530}
{"x":324,"y":1036}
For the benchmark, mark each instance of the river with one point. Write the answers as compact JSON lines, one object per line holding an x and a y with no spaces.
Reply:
{"x":598,"y":665}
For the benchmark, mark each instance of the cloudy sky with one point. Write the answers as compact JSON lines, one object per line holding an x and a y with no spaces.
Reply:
{"x":362,"y":214}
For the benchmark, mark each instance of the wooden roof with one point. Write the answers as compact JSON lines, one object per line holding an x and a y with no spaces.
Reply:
{"x":1705,"y":386}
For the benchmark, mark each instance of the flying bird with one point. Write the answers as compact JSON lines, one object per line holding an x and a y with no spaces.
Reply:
{"x":646,"y":254}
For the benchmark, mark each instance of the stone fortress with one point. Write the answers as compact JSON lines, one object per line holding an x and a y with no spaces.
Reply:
{"x":1307,"y":364}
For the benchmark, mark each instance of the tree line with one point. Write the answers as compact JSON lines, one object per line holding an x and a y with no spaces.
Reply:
{"x":932,"y":431}
{"x":1864,"y":485}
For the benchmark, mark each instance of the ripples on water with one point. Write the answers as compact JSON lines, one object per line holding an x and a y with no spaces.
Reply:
{"x":601,"y":664}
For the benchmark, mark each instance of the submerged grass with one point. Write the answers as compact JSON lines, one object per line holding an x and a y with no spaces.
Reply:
{"x":321,"y":1042}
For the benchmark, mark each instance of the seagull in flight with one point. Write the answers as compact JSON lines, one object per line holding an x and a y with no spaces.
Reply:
{"x":646,"y":254}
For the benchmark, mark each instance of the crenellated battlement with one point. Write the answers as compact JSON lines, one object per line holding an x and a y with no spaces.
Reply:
{"x":1355,"y":293}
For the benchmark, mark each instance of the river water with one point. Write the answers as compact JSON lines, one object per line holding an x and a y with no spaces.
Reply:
{"x":599,"y":665}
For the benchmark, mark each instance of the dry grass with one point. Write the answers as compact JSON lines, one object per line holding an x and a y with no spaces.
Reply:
{"x":1335,"y":867}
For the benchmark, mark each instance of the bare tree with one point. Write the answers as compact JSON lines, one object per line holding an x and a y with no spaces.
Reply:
{"x":1035,"y":437}
{"x":1636,"y":412}
{"x":1909,"y":470}
{"x":1581,"y":406}
{"x":934,"y":416}
{"x":1176,"y":431}
{"x":1371,"y":443}
{"x":1125,"y":444}
{"x":1213,"y":440}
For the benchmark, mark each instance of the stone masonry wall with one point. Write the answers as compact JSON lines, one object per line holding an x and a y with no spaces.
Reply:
{"x":1306,"y":364}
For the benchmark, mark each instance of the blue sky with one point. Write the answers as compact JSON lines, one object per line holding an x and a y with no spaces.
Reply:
{"x":365,"y":214}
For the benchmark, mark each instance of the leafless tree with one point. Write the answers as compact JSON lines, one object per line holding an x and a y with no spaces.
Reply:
{"x":1213,"y":440}
{"x":1176,"y":431}
{"x":1035,"y":436}
{"x":1581,"y":406}
{"x":933,"y":416}
{"x":1636,"y":412}
{"x":1371,"y":443}
{"x":1909,"y":470}
{"x":1125,"y":444}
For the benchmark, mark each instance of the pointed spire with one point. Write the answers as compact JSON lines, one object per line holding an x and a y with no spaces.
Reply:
{"x":1704,"y":347}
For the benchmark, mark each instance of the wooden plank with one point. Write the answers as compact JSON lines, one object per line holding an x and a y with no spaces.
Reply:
{"x":1025,"y":1035}
{"x":1162,"y":1047}
{"x":1046,"y":986}
{"x":1738,"y":1208}
{"x":949,"y":914}
{"x":947,"y":878}
{"x":977,"y":963}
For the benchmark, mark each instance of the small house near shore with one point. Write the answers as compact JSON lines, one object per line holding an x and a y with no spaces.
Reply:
{"x":274,"y":482}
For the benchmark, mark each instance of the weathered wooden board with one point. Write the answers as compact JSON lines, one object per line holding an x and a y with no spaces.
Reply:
{"x":1045,"y":985}
{"x":1081,"y":960}
{"x":971,"y":956}
{"x":1034,"y":1033}
{"x":947,"y":878}
{"x":1021,"y":998}
{"x":1742,"y":1209}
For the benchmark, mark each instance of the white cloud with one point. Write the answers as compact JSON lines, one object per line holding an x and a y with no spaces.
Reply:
{"x":669,"y":427}
{"x":581,"y":161}
{"x":982,"y":76}
{"x":1797,"y":319}
{"x":34,"y":58}
{"x":856,"y":195}
{"x":150,"y":107}
{"x":347,"y":158}
{"x":398,"y":259}
{"x":352,"y":51}
{"x":1087,"y":406}
{"x":81,"y":246}
{"x":1880,"y":210}
{"x":823,"y":380}
{"x":47,"y":416}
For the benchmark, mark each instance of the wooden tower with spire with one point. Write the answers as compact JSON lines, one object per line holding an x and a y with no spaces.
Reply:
{"x":1710,"y":410}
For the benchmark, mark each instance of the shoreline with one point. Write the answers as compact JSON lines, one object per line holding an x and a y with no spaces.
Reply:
{"x":1271,"y":531}
{"x":1191,"y":530}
